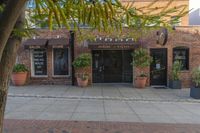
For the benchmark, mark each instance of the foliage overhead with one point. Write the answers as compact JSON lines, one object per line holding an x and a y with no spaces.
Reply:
{"x":106,"y":15}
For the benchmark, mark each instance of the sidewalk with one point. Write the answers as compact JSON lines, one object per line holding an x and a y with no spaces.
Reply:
{"x":119,"y":103}
{"x":102,"y":92}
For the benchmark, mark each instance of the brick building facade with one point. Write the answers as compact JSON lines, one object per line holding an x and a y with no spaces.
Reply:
{"x":44,"y":54}
{"x":183,"y":43}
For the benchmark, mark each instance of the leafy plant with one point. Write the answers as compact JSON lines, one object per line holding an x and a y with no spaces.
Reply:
{"x":196,"y":76}
{"x":83,"y":76}
{"x":83,"y":60}
{"x":176,"y":68}
{"x":20,"y":68}
{"x":143,"y":74}
{"x":141,"y":58}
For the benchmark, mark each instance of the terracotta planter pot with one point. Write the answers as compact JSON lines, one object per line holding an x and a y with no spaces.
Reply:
{"x":82,"y":83}
{"x":19,"y":78}
{"x":140,"y":82}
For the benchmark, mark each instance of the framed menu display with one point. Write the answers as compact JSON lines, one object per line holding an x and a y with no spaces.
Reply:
{"x":40,"y":62}
{"x":61,"y":62}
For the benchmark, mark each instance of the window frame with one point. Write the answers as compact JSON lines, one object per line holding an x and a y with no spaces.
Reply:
{"x":32,"y":65}
{"x":187,"y":50}
{"x":69,"y":62}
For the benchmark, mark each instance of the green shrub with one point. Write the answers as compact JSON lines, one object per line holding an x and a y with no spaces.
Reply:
{"x":196,"y":76}
{"x":83,"y":60}
{"x":176,"y":68}
{"x":20,"y":68}
{"x":141,"y":58}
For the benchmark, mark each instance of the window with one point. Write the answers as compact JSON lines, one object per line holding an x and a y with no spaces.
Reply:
{"x":61,"y":61}
{"x":182,"y":54}
{"x":39,"y":62}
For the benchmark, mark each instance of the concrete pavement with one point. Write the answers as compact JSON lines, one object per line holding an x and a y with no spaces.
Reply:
{"x":120,"y":103}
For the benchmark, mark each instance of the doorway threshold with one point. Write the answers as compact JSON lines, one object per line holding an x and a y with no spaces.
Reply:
{"x":159,"y":86}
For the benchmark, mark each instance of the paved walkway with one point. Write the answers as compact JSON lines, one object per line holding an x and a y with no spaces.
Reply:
{"x":33,"y":126}
{"x":101,"y":91}
{"x":120,"y":103}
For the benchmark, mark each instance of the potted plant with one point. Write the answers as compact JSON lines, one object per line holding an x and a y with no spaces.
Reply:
{"x":19,"y":74}
{"x":175,"y":82}
{"x":141,"y":60}
{"x":195,"y":90}
{"x":81,"y":63}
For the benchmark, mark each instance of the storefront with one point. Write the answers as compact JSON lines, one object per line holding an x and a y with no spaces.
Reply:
{"x":49,"y":57}
{"x":112,"y":60}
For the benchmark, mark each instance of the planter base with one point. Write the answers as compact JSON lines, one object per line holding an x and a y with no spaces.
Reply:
{"x":19,"y":78}
{"x":82,"y":83}
{"x":195,"y":93}
{"x":175,"y":84}
{"x":140,"y":82}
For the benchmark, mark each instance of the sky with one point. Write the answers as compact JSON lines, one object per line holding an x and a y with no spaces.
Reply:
{"x":194,"y":4}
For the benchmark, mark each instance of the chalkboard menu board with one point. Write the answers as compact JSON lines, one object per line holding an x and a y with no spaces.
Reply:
{"x":40,"y":61}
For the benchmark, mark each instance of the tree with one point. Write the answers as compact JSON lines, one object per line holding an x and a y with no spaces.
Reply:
{"x":105,"y":15}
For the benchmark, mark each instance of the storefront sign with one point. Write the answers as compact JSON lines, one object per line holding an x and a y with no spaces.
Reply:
{"x":162,"y":36}
{"x":112,"y":46}
{"x":40,"y":61}
{"x":34,"y":46}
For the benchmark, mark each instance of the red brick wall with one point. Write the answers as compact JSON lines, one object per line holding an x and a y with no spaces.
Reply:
{"x":183,"y":36}
{"x":24,"y":57}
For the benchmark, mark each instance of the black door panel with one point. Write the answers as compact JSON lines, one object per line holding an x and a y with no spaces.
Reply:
{"x":158,"y":69}
{"x":112,"y":66}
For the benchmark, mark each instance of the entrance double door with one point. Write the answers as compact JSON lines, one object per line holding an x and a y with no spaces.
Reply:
{"x":112,"y":66}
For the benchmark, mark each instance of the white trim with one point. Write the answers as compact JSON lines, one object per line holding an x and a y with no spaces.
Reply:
{"x":32,"y":66}
{"x":69,"y":63}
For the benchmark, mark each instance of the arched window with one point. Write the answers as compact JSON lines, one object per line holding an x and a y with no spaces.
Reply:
{"x":181,"y":54}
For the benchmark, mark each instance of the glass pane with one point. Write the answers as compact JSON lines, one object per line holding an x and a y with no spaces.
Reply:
{"x":61,"y":63}
{"x":182,"y":56}
{"x":40,"y":61}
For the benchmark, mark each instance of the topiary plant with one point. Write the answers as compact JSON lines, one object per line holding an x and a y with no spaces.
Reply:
{"x":20,"y":68}
{"x":141,"y":59}
{"x":83,"y":60}
{"x":196,"y":76}
{"x":176,"y":68}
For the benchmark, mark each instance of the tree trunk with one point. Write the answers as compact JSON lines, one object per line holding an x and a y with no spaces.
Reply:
{"x":8,"y":19}
{"x":6,"y":66}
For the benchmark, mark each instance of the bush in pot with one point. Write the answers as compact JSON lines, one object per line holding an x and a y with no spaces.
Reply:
{"x":19,"y":74}
{"x":141,"y":60}
{"x":195,"y":89}
{"x":81,"y":63}
{"x":175,"y":82}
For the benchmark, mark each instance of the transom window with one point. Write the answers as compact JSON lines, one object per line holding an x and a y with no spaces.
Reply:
{"x":181,"y":54}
